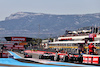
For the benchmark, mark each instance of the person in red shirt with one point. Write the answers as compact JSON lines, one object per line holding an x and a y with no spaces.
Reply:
{"x":91,"y":48}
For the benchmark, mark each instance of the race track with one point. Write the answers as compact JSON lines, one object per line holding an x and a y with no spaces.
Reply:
{"x":10,"y":61}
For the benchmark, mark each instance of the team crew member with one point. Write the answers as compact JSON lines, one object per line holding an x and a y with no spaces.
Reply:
{"x":91,"y":48}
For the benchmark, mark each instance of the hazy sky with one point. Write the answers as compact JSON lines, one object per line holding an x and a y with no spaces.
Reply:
{"x":8,"y":7}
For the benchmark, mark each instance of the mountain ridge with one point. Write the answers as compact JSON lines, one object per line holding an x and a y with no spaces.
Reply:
{"x":27,"y":24}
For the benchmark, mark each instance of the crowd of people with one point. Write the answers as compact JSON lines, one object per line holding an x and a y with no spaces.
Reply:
{"x":91,"y":49}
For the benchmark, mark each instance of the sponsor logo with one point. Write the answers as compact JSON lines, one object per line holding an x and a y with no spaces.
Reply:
{"x":18,"y":39}
{"x":95,"y":59}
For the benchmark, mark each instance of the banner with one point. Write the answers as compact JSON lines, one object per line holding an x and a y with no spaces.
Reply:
{"x":8,"y":45}
{"x":19,"y":46}
{"x":15,"y":47}
{"x":96,"y":60}
{"x":18,"y":38}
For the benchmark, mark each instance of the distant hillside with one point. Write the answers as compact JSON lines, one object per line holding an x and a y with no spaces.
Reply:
{"x":27,"y":24}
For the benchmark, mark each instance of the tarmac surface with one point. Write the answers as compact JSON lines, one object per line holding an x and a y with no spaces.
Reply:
{"x":9,"y":62}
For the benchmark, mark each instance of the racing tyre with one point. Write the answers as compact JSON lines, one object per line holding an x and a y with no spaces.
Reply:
{"x":52,"y":58}
{"x":72,"y":59}
{"x":42,"y":57}
{"x":80,"y":59}
{"x":65,"y":59}
{"x":39,"y":56}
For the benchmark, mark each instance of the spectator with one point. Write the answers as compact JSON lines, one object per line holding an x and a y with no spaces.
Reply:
{"x":91,"y":48}
{"x":83,"y":52}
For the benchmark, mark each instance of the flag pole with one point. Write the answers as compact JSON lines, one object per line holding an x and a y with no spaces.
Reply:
{"x":95,"y":28}
{"x":98,"y":29}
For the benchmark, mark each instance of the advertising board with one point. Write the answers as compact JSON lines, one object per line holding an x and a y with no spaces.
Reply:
{"x":18,"y":38}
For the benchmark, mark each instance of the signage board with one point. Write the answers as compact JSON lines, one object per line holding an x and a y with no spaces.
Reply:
{"x":18,"y":38}
{"x":95,"y":60}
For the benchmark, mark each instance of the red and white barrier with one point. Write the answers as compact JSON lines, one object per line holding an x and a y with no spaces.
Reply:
{"x":96,"y":60}
{"x":85,"y":59}
{"x":91,"y":59}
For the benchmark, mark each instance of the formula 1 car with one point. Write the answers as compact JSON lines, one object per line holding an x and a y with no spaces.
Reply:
{"x":27,"y":56}
{"x":63,"y":57}
{"x":46,"y":56}
{"x":72,"y":57}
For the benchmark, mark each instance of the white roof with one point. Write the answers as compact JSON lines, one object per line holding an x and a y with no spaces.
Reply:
{"x":69,"y":32}
{"x":74,"y":32}
{"x":45,"y":40}
{"x":84,"y":30}
{"x":79,"y":31}
{"x":65,"y":42}
{"x":73,"y":37}
{"x":94,"y":42}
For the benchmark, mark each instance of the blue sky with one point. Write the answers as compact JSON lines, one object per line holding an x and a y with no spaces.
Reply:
{"x":64,"y":7}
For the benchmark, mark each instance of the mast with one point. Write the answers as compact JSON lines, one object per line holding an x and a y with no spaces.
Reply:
{"x":95,"y":29}
{"x":98,"y":29}
{"x":38,"y":34}
{"x":92,"y":28}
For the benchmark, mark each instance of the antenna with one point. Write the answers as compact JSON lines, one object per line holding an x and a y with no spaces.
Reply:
{"x":98,"y":28}
{"x":38,"y":34}
{"x":92,"y":29}
{"x":95,"y":29}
